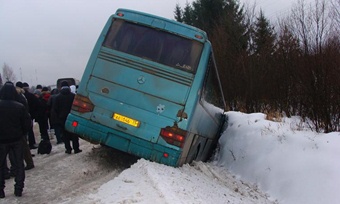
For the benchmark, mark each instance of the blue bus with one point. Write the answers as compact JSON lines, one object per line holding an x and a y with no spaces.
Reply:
{"x":151,"y":89}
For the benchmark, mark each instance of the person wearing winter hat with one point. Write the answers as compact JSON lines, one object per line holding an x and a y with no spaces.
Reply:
{"x":19,"y":84}
{"x":64,"y":84}
{"x":53,"y":117}
{"x":62,"y":107}
{"x":46,"y":94}
{"x":27,"y":153}
{"x":15,"y":121}
{"x":42,"y":116}
{"x":39,"y":87}
{"x":21,"y":99}
{"x":25,"y":85}
{"x":37,"y":93}
{"x":33,"y":104}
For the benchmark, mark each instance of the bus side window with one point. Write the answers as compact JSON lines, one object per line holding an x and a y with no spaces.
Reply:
{"x":211,"y":89}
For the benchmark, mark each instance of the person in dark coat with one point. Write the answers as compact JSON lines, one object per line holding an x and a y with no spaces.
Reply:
{"x":33,"y":104}
{"x":15,"y":122}
{"x":27,"y":153}
{"x":42,"y":116}
{"x":46,"y":95}
{"x":53,"y":117}
{"x":62,"y":107}
{"x":21,"y":99}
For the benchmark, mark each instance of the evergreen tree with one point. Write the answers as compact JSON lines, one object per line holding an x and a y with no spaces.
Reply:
{"x":230,"y":41}
{"x":178,"y":13}
{"x":235,"y":26}
{"x":264,"y":36}
{"x":287,"y":52}
{"x":224,"y":22}
{"x":207,"y":13}
{"x":188,"y":14}
{"x":214,"y":14}
{"x":262,"y":69}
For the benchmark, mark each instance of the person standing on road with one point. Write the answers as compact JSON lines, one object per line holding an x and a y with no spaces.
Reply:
{"x":42,"y":116}
{"x":15,"y":122}
{"x":62,"y":107}
{"x":53,"y":117}
{"x":27,"y":153}
{"x":33,"y":104}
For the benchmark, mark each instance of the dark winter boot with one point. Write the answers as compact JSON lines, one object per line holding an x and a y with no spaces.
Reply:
{"x":2,"y":193}
{"x":77,"y":151}
{"x":17,"y":192}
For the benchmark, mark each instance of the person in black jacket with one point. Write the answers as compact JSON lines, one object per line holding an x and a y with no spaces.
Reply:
{"x":33,"y":104}
{"x":15,"y":122}
{"x":53,"y":117}
{"x":41,"y":116}
{"x":27,"y":153}
{"x":62,"y":107}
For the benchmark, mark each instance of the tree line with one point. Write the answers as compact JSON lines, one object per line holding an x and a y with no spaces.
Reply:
{"x":291,"y":68}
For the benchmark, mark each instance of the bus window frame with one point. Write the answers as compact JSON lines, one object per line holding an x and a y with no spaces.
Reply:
{"x":114,"y":35}
{"x":212,"y":70}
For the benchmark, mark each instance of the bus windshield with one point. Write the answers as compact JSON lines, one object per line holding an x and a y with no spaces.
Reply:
{"x":153,"y":44}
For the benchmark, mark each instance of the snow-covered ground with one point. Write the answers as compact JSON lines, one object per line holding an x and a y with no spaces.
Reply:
{"x":259,"y":161}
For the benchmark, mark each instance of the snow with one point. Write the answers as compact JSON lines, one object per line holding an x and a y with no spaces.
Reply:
{"x":259,"y":161}
{"x":285,"y":159}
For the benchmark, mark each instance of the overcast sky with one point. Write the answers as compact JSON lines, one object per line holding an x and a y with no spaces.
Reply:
{"x":43,"y":40}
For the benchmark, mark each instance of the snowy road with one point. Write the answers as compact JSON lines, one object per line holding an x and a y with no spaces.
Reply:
{"x":63,"y":178}
{"x":58,"y":177}
{"x":103,"y":175}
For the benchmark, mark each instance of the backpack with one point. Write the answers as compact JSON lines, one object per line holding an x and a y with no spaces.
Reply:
{"x":44,"y":147}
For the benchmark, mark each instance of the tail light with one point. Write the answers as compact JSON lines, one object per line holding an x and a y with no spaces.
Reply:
{"x":199,"y":36}
{"x":82,"y":104}
{"x":75,"y":123}
{"x":120,"y":14}
{"x":174,"y":136}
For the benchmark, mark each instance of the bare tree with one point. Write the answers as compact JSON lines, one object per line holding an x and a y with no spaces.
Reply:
{"x":335,"y":5}
{"x":321,"y":24}
{"x":7,"y":73}
{"x":311,"y":24}
{"x":301,"y":24}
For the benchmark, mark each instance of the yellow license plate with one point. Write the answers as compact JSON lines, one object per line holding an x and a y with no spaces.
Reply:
{"x":127,"y":120}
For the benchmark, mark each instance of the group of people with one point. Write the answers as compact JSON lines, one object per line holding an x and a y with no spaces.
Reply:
{"x":19,"y":108}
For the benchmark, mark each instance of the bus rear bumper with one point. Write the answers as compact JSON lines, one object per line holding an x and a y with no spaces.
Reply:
{"x":100,"y":134}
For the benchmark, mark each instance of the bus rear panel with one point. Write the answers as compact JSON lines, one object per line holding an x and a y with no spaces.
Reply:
{"x":142,"y":89}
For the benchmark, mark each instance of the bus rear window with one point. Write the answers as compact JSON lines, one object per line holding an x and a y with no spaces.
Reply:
{"x":152,"y":44}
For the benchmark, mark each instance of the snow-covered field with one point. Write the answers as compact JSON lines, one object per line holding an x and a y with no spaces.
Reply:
{"x":259,"y":161}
